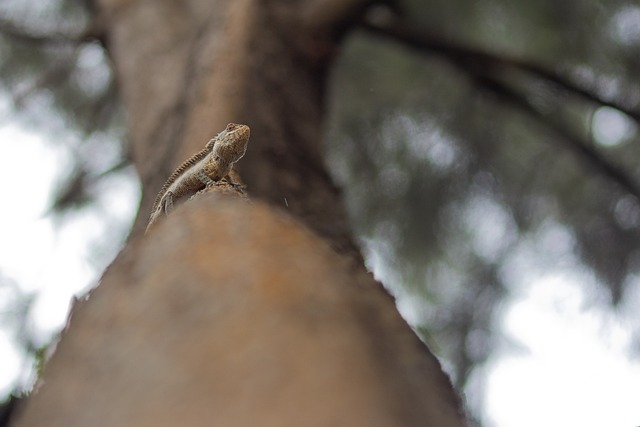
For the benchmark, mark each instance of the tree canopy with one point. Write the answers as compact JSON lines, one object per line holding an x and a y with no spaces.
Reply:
{"x":474,"y":142}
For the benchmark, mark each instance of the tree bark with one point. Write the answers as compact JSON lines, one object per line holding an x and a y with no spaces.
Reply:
{"x":299,"y":337}
{"x":231,"y":312}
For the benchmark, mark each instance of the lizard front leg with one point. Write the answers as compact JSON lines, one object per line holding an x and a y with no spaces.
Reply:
{"x":204,"y":178}
{"x":167,"y":202}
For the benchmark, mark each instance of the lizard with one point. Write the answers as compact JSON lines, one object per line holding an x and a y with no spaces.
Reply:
{"x":213,"y":163}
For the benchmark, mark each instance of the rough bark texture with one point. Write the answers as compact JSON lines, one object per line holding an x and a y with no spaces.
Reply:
{"x":229,"y":313}
{"x":299,"y":337}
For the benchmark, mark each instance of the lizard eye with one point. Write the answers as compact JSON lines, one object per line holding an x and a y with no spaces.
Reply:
{"x":231,"y":126}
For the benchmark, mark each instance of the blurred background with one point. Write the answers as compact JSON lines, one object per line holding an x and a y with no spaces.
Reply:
{"x":488,"y":153}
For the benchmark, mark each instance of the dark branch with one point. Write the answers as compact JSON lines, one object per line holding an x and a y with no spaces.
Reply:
{"x":589,"y":153}
{"x":335,"y":18}
{"x":337,"y":15}
{"x":467,"y":56}
{"x":55,"y":75}
{"x":8,"y":409}
{"x":483,"y":68}
{"x":10,"y":29}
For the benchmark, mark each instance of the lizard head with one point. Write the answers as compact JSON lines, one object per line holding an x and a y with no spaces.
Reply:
{"x":241,"y":131}
{"x":232,"y":142}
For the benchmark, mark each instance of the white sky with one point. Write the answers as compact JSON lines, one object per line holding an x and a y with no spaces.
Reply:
{"x":55,"y":263}
{"x":572,"y":368}
{"x":568,"y":361}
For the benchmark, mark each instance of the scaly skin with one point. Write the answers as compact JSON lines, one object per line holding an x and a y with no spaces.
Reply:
{"x":204,"y":168}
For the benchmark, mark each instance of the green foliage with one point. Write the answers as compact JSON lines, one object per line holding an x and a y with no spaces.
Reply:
{"x":451,"y":166}
{"x":56,"y":72}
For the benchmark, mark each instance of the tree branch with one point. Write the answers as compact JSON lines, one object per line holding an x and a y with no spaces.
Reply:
{"x":482,"y":67}
{"x":587,"y":152}
{"x":337,"y":17}
{"x":467,"y":56}
{"x":55,"y":75}
{"x":335,"y":14}
{"x":95,"y":31}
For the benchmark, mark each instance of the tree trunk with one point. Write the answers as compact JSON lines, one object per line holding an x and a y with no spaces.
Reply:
{"x":189,"y":68}
{"x":232,"y":312}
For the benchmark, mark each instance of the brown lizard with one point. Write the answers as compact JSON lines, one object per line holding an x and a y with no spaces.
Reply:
{"x":202,"y":169}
